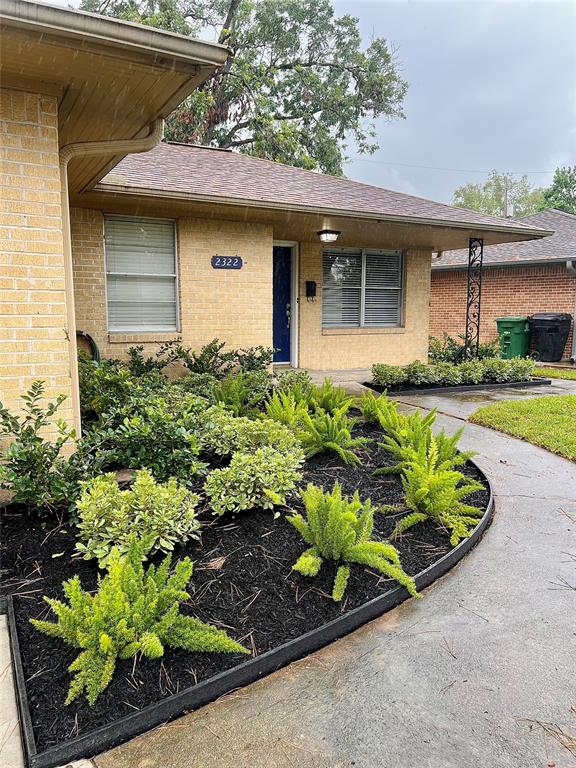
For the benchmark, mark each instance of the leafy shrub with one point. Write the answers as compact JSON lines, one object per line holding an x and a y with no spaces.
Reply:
{"x":32,"y":467}
{"x":471,"y":371}
{"x":285,"y":409}
{"x":152,"y":437}
{"x":452,"y":350}
{"x":323,"y":432}
{"x":489,"y":370}
{"x":200,"y":384}
{"x":296,"y":383}
{"x":388,"y":375}
{"x":224,"y":434}
{"x":210,"y":359}
{"x":133,"y":611}
{"x":108,"y":385}
{"x":254,"y":358}
{"x":340,"y":529}
{"x":139,"y":365}
{"x":329,"y":398}
{"x":447,"y":374}
{"x":435,"y":491}
{"x":242,"y":393}
{"x":418,"y":373}
{"x":260,"y":479}
{"x":165,"y":515}
{"x":521,"y":369}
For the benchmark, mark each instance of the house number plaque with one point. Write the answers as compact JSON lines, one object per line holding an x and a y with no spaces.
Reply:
{"x":226,"y":262}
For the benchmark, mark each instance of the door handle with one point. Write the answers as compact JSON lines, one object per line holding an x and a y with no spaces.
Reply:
{"x":288,"y":315}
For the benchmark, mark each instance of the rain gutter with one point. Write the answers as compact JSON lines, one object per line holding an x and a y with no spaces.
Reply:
{"x":67,"y":153}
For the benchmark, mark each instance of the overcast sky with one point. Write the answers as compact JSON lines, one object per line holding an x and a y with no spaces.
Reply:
{"x":492,"y":85}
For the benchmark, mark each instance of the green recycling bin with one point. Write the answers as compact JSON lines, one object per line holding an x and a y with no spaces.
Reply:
{"x":513,"y":336}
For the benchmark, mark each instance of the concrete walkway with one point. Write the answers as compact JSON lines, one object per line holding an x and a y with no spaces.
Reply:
{"x":479,"y":673}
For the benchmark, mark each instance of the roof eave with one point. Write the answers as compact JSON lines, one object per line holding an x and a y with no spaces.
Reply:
{"x":487,"y":265}
{"x":83,"y":26}
{"x":528,"y":232}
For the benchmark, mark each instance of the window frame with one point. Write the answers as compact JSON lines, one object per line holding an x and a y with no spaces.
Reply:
{"x":175,"y":276}
{"x":363,"y":252}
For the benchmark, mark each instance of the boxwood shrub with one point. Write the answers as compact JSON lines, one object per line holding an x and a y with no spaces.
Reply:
{"x":491,"y":370}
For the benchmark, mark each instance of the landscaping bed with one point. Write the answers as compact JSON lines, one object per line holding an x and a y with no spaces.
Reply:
{"x":260,"y":518}
{"x":252,"y":592}
{"x":431,"y":389}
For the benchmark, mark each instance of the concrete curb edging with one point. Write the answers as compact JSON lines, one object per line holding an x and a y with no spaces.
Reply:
{"x":196,"y":696}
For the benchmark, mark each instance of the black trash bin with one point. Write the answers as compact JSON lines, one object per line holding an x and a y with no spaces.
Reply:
{"x":548,"y":332}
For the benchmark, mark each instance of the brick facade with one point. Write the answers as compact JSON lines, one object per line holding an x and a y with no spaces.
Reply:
{"x":236,"y":306}
{"x":33,"y":335}
{"x":505,"y":291}
{"x":325,"y":348}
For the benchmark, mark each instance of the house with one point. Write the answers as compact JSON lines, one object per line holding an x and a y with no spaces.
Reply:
{"x":519,"y":279}
{"x":182,"y":240}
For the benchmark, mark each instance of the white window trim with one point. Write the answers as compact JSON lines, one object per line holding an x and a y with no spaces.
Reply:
{"x":176,"y":275}
{"x":401,"y":288}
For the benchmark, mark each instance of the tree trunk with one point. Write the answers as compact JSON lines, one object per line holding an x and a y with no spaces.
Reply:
{"x":219,"y":110}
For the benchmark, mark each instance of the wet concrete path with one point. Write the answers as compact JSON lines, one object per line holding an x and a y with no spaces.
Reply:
{"x":479,"y":673}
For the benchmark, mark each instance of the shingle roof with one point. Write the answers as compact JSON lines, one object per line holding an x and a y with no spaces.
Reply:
{"x":223,"y":176}
{"x":558,"y":247}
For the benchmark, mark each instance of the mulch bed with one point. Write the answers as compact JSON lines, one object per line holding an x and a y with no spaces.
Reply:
{"x":412,"y":389}
{"x":242,"y":582}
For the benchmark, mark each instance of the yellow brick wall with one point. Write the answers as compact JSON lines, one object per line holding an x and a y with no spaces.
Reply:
{"x":361,"y":347}
{"x":235,"y":305}
{"x":33,"y":342}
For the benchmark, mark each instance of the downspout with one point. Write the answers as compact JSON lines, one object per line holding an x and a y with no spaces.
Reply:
{"x":67,"y":153}
{"x":571,"y":268}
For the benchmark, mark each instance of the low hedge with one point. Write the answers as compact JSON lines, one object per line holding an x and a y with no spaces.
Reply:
{"x":491,"y":370}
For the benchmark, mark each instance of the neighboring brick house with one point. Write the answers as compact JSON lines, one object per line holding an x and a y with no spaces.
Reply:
{"x":519,"y":279}
{"x":334,"y":273}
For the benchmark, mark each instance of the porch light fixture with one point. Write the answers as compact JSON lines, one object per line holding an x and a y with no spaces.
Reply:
{"x":328,"y":235}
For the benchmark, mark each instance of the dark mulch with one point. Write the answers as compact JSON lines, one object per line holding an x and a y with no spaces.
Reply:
{"x":242,"y":581}
{"x":412,"y":389}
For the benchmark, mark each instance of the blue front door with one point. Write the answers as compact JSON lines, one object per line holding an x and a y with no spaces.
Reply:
{"x":282,"y":280}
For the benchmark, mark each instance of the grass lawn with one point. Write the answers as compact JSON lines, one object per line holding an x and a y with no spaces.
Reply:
{"x":556,"y":373}
{"x":546,"y":421}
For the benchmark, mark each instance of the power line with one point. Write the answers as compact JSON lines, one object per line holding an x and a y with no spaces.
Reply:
{"x":437,"y":168}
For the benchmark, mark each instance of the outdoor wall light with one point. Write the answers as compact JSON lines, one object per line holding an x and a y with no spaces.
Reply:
{"x":328,"y":235}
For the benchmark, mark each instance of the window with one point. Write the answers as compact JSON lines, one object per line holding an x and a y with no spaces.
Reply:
{"x":361,"y":288}
{"x":141,"y":281}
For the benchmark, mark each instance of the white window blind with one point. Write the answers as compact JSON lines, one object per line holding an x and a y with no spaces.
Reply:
{"x":141,"y":274}
{"x":361,"y":288}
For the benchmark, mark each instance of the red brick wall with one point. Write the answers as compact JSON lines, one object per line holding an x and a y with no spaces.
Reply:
{"x":505,"y":291}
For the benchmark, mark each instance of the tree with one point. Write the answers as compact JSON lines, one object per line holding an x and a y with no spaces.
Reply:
{"x":561,"y":194}
{"x":500,"y":195}
{"x":297,"y":83}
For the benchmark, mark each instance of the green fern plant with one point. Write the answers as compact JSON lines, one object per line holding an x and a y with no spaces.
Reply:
{"x":134,"y":610}
{"x":285,"y":409}
{"x":434,"y":490}
{"x":327,"y":397}
{"x":340,"y":529}
{"x":323,"y":432}
{"x":403,"y":436}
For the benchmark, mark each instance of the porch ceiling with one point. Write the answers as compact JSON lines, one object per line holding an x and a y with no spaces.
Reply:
{"x":111,"y":78}
{"x":296,"y":225}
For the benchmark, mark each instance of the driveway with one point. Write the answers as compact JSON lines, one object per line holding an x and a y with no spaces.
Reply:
{"x":479,"y":673}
